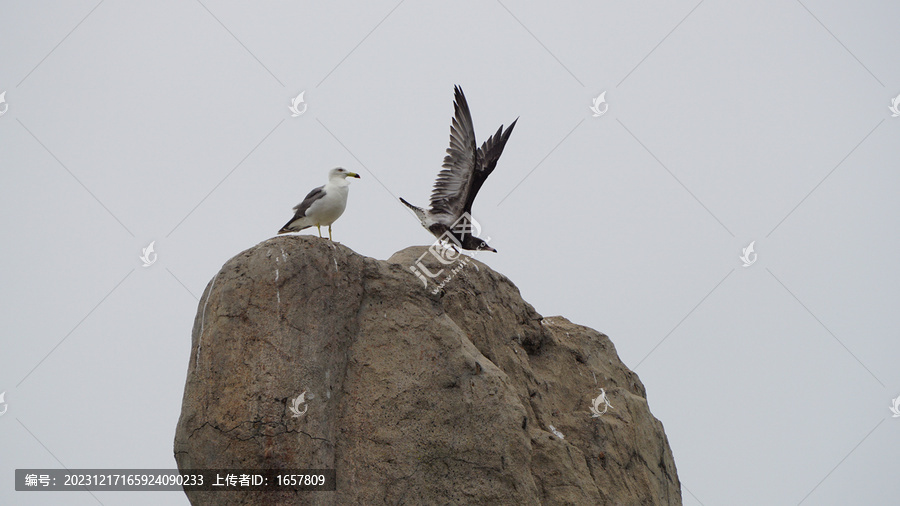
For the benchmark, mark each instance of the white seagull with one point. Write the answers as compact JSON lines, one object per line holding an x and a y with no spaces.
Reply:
{"x":324,"y":205}
{"x":465,"y":169}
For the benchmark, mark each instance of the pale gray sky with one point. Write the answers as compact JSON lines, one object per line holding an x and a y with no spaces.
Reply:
{"x":728,"y":122}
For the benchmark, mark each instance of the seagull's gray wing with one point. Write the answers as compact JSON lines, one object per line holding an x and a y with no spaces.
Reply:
{"x":301,"y":208}
{"x":485,"y":161}
{"x":311,"y":197}
{"x":454,"y":180}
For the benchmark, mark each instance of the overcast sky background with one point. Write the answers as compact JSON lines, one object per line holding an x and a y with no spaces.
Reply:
{"x":728,"y":122}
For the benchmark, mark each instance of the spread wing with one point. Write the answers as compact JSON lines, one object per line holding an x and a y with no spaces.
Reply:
{"x":465,"y":168}
{"x":454,"y":180}
{"x":485,"y":161}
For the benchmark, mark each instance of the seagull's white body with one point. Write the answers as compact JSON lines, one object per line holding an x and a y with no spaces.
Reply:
{"x":329,"y":208}
{"x":322,"y":206}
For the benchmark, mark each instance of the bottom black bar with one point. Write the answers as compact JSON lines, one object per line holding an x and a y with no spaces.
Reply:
{"x":59,"y":480}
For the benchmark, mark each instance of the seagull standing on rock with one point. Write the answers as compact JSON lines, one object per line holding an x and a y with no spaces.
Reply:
{"x":464,"y":171}
{"x":324,"y":205}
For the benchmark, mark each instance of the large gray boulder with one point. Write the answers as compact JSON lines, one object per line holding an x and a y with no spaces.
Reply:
{"x":414,"y":394}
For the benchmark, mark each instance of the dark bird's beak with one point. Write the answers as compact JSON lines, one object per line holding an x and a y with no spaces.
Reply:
{"x":353,"y":174}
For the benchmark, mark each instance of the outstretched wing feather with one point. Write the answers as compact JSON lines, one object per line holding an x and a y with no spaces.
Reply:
{"x":486,"y":161}
{"x":453,"y":181}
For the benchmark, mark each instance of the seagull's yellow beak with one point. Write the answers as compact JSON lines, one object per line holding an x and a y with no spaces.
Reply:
{"x":353,"y":174}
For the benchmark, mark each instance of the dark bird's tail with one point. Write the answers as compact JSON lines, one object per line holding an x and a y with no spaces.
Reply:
{"x":420,"y":213}
{"x":414,"y":208}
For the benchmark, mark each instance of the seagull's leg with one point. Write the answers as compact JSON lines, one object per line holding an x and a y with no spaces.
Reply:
{"x":320,"y":230}
{"x":329,"y":234}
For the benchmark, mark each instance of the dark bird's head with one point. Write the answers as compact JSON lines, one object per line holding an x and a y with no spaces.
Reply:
{"x":472,"y":243}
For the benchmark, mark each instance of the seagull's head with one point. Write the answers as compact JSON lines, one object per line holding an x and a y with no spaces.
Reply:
{"x":341,"y":173}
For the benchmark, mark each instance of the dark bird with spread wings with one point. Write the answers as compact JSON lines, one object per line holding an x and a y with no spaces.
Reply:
{"x":465,"y":169}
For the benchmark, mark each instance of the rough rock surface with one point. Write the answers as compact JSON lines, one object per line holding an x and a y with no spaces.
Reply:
{"x":414,"y":395}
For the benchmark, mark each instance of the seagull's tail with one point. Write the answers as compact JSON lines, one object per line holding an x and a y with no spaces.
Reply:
{"x":295,"y":225}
